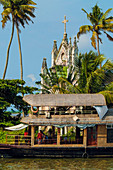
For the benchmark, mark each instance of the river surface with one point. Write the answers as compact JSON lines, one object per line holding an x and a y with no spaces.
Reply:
{"x":56,"y":164}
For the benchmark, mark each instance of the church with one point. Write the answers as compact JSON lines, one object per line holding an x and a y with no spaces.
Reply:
{"x":64,"y":55}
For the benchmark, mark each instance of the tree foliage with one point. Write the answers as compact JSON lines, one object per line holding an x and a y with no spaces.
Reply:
{"x":53,"y":79}
{"x":20,"y":13}
{"x":11,"y":94}
{"x":100,"y":23}
{"x":85,"y":77}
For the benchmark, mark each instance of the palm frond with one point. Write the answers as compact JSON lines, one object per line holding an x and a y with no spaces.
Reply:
{"x":93,"y":39}
{"x":108,"y":96}
{"x":84,"y":29}
{"x":108,"y":36}
{"x":88,"y":16}
{"x":105,"y":14}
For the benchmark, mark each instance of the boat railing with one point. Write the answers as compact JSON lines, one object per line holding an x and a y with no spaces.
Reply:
{"x":69,"y":112}
{"x":26,"y":140}
{"x":47,"y":141}
{"x":71,"y":140}
{"x":18,"y":139}
{"x":63,"y":140}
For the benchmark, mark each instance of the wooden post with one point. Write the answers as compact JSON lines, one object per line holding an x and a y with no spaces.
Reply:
{"x":61,"y":131}
{"x":65,"y":131}
{"x":58,"y":136}
{"x":32,"y":135}
{"x":85,"y":137}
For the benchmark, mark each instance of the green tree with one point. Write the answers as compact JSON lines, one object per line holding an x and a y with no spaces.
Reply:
{"x":58,"y":80}
{"x":90,"y":78}
{"x":19,"y":12}
{"x":53,"y":79}
{"x":100,"y":22}
{"x":85,"y":77}
{"x":11,"y":94}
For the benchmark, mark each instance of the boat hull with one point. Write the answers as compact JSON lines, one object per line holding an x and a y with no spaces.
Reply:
{"x":54,"y":152}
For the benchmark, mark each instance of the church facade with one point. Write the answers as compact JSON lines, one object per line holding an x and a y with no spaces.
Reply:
{"x":64,"y":55}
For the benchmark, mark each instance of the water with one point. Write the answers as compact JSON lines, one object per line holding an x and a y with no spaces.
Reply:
{"x":56,"y":164}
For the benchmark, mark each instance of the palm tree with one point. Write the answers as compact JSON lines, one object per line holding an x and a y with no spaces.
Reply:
{"x":92,"y":79}
{"x":100,"y":22}
{"x":54,"y":81}
{"x":19,"y":11}
{"x":90,"y":76}
{"x":85,"y":77}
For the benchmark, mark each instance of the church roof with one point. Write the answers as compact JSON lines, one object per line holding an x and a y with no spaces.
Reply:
{"x":65,"y":100}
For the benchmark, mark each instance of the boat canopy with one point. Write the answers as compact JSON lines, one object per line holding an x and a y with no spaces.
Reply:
{"x":16,"y":127}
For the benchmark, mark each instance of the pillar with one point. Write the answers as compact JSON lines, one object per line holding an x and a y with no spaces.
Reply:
{"x":58,"y":136}
{"x":61,"y":131}
{"x":85,"y":137}
{"x":32,"y":135}
{"x":40,"y":128}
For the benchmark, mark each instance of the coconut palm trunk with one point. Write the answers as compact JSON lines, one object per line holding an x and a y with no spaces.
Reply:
{"x":8,"y":49}
{"x":98,"y":47}
{"x":20,"y":52}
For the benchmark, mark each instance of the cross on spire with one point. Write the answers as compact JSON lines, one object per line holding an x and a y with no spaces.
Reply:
{"x":64,"y":23}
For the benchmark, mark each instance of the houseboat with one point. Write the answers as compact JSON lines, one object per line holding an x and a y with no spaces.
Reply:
{"x":71,"y":125}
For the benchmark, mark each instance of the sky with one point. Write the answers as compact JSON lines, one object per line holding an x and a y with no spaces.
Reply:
{"x":37,"y":39}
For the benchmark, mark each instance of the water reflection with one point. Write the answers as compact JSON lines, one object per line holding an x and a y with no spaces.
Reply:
{"x":56,"y":164}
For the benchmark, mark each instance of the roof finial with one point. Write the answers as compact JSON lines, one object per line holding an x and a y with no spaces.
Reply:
{"x":44,"y":63}
{"x":75,"y":42}
{"x":70,"y":41}
{"x":64,"y":23}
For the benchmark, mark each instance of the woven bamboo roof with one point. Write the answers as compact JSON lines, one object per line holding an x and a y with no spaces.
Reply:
{"x":65,"y":100}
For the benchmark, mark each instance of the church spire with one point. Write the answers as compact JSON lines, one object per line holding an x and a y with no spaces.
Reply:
{"x":55,"y":45}
{"x":70,"y":44}
{"x":44,"y":63}
{"x":65,"y":34}
{"x":75,"y":42}
{"x":74,"y":51}
{"x":54,"y":52}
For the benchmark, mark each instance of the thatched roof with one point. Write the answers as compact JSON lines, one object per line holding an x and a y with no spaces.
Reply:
{"x":65,"y":100}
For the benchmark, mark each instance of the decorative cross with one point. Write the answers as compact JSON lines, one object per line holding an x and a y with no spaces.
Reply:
{"x":64,"y":23}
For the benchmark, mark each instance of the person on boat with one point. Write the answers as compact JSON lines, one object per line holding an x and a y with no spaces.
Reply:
{"x":40,"y":137}
{"x":65,"y":139}
{"x":26,"y":136}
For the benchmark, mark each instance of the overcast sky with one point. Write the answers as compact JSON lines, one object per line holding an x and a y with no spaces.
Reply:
{"x":37,"y":39}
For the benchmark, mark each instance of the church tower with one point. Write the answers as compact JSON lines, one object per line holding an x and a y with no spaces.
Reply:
{"x":64,"y":55}
{"x":43,"y":69}
{"x":54,"y":53}
{"x":67,"y":52}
